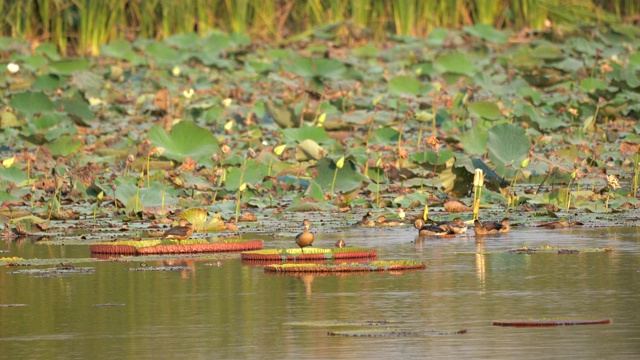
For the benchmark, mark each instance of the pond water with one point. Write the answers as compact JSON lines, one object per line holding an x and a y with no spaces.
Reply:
{"x":235,"y":310}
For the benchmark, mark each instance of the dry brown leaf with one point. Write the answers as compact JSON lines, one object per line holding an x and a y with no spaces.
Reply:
{"x":456,"y":206}
{"x":161,"y":100}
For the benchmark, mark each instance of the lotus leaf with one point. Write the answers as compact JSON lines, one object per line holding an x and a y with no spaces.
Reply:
{"x":474,"y":140}
{"x":309,"y":150}
{"x":455,"y":63}
{"x":348,"y":179}
{"x":404,"y":85}
{"x":163,"y":53}
{"x":507,"y":144}
{"x":487,"y":32}
{"x":31,"y":102}
{"x":252,"y":174}
{"x":485,"y":109}
{"x":68,"y":67}
{"x":64,"y":145}
{"x":315,"y":133}
{"x":186,"y":140}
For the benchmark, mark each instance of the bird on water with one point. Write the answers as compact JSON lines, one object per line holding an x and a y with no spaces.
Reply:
{"x":305,"y":238}
{"x":180,"y":232}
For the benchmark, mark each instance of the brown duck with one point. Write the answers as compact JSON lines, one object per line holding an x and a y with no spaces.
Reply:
{"x":305,"y":238}
{"x":340,"y":244}
{"x":430,"y":229}
{"x":489,"y":227}
{"x":383,"y":221}
{"x":180,"y":232}
{"x":455,"y":226}
{"x":366,"y":220}
{"x":560,"y":224}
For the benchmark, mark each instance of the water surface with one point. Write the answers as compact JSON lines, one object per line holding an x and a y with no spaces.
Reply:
{"x":235,"y":310}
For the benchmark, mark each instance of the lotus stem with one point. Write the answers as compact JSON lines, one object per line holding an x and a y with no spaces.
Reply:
{"x":636,"y":170}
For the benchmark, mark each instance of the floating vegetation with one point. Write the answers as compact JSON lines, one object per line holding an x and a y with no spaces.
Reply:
{"x":296,"y":254}
{"x":46,"y":262}
{"x":323,"y":323}
{"x":395,"y":332}
{"x":161,"y":247}
{"x":12,"y":305}
{"x":546,"y":249}
{"x":107,"y":305}
{"x":546,"y":322}
{"x":388,"y":265}
{"x":162,"y":268}
{"x":57,"y":271}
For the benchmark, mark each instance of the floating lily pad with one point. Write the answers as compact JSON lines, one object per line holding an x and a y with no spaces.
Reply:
{"x":395,"y":332}
{"x":388,"y":265}
{"x":547,"y":322}
{"x":309,"y":254}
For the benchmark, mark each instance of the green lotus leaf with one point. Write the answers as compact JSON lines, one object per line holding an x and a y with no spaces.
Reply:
{"x":366,"y":51}
{"x":253,"y":174}
{"x":485,"y":109}
{"x":507,"y":144}
{"x":385,"y":136}
{"x":76,"y":108}
{"x":347,"y":179}
{"x":593,"y":84}
{"x":474,"y":140}
{"x":163,"y":54}
{"x":487,"y":32}
{"x":437,"y":37}
{"x":31,"y":102}
{"x":154,"y":196}
{"x":547,"y":52}
{"x":64,"y":146}
{"x":119,"y":49}
{"x":185,"y":140}
{"x":432,"y":158}
{"x":315,"y":133}
{"x":455,"y":63}
{"x":68,"y":67}
{"x":13,"y":175}
{"x":47,"y":82}
{"x":184,"y":41}
{"x":404,"y":85}
{"x":49,"y":50}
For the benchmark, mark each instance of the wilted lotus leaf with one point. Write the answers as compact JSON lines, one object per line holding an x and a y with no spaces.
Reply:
{"x":196,"y":216}
{"x":282,"y":115}
{"x":309,"y":150}
{"x":456,"y":206}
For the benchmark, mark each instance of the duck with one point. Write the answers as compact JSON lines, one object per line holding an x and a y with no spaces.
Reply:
{"x":366,"y":220}
{"x":340,"y":243}
{"x":305,"y":238}
{"x":456,"y":226}
{"x":559,"y":224}
{"x":181,"y":232}
{"x":486,"y":228}
{"x":430,"y":229}
{"x":383,"y":221}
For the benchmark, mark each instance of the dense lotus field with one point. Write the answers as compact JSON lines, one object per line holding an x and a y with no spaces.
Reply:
{"x":150,"y":128}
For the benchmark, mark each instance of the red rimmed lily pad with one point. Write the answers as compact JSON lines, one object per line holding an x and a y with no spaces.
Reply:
{"x":309,"y":254}
{"x":387,"y":265}
{"x":148,"y":247}
{"x":544,"y":322}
